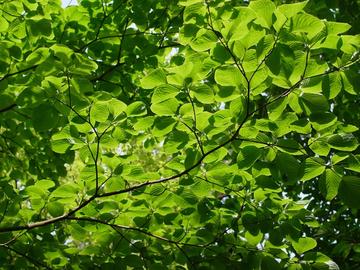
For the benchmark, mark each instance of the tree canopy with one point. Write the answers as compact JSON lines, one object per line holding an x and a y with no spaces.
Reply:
{"x":179,"y":134}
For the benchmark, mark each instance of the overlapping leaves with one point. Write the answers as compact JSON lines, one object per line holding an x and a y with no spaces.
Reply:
{"x":198,"y":129}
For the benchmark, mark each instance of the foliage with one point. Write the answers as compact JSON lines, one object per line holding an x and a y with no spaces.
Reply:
{"x":184,"y":134}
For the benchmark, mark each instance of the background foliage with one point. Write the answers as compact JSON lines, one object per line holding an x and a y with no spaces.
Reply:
{"x":179,"y":134}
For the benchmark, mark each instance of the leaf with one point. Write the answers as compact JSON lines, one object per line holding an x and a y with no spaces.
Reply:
{"x":349,"y":191}
{"x":264,"y":46}
{"x":83,"y":65}
{"x":253,"y":240}
{"x":319,"y":146}
{"x":136,"y":109}
{"x":350,"y":82}
{"x":39,"y":26}
{"x":228,"y":76}
{"x":60,"y":146}
{"x":264,"y":10}
{"x":312,"y":103}
{"x":290,"y":146}
{"x":303,"y":244}
{"x":277,"y":108}
{"x":353,"y":163}
{"x":248,"y":156}
{"x":204,"y":40}
{"x":336,"y":28}
{"x":99,"y":111}
{"x":332,"y":85}
{"x":68,"y":190}
{"x":154,"y":78}
{"x":3,"y":24}
{"x":166,"y":107}
{"x":329,"y":183}
{"x":289,"y":166}
{"x":306,"y":23}
{"x":116,"y":107}
{"x":163,"y":93}
{"x":192,"y":157}
{"x":312,"y":168}
{"x":38,"y":56}
{"x":343,"y":142}
{"x":45,"y":117}
{"x":63,"y":53}
{"x":163,"y":125}
{"x":203,"y":93}
{"x":55,"y":208}
{"x":322,"y":120}
{"x":289,"y":10}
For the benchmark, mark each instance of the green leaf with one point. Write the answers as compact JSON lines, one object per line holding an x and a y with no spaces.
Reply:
{"x":277,"y":108}
{"x":319,"y":146}
{"x":343,"y":142}
{"x":38,"y":56}
{"x":203,"y":93}
{"x":303,"y":244}
{"x":289,"y":166}
{"x":45,"y":117}
{"x":353,"y":163}
{"x":289,"y":10}
{"x":264,"y":10}
{"x":154,"y":78}
{"x":253,"y":240}
{"x":166,"y":107}
{"x":332,"y":85}
{"x":312,"y":103}
{"x":306,"y":23}
{"x":350,"y":82}
{"x":39,"y":26}
{"x":248,"y":156}
{"x":55,"y":208}
{"x":3,"y":24}
{"x":312,"y":168}
{"x":136,"y":109}
{"x":68,"y":190}
{"x":83,"y":65}
{"x":60,"y":146}
{"x":163,"y":93}
{"x":62,"y":52}
{"x":144,"y":123}
{"x":204,"y":40}
{"x":228,"y":76}
{"x":116,"y":107}
{"x":192,"y":157}
{"x":349,"y":191}
{"x":99,"y":111}
{"x":290,"y":146}
{"x":336,"y":28}
{"x":163,"y":125}
{"x":329,"y":183}
{"x":322,"y":120}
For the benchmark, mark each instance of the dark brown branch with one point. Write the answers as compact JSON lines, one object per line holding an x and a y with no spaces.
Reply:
{"x":30,"y":259}
{"x":194,"y":129}
{"x":18,"y":72}
{"x":100,"y":26}
{"x":94,"y":220}
{"x":8,"y":108}
{"x":302,"y":79}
